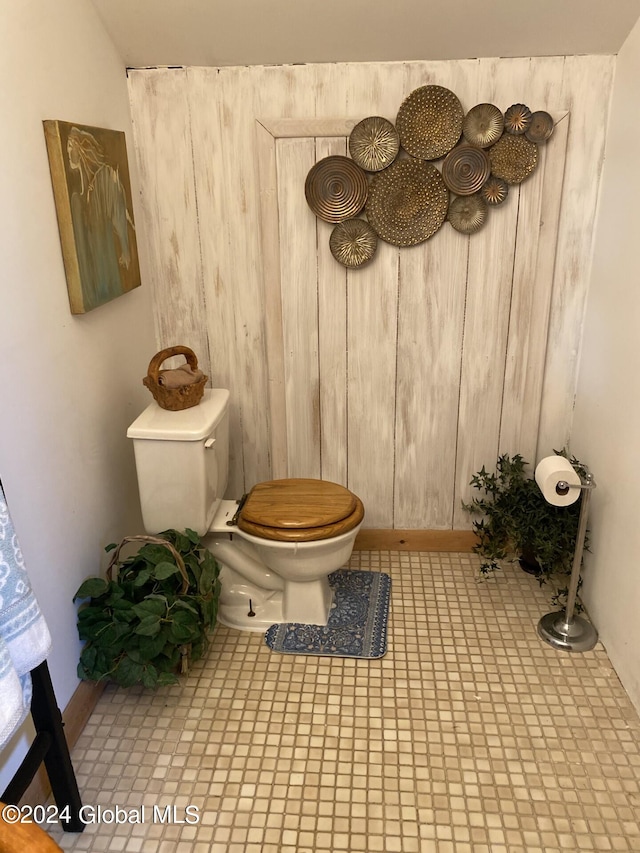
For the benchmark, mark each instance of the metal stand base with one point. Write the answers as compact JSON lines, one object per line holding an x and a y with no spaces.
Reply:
{"x":575,"y":636}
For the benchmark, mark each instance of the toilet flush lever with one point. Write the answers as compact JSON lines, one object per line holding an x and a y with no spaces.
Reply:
{"x":209,"y":443}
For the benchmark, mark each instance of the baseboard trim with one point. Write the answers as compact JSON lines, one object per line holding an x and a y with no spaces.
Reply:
{"x":415,"y":540}
{"x":74,"y":719}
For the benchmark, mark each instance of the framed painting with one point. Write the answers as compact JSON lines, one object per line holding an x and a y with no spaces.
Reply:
{"x":92,"y":192}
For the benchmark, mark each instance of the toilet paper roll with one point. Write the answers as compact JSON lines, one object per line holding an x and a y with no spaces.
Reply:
{"x":553,"y":470}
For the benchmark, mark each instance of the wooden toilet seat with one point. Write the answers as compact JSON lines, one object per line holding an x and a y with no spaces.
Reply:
{"x":300,"y":510}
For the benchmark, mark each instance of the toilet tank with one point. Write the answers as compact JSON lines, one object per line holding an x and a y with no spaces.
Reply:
{"x":182,"y":460}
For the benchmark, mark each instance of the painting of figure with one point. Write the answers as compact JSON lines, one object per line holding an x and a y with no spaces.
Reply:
{"x":92,"y":193}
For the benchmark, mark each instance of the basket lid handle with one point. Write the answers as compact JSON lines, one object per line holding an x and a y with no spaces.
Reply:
{"x":163,"y":355}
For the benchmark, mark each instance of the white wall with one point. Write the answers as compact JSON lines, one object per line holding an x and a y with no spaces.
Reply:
{"x":70,"y":385}
{"x":606,"y":428}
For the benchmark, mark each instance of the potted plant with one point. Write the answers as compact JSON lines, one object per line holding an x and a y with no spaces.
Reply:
{"x":517,"y":523}
{"x":151,"y":613}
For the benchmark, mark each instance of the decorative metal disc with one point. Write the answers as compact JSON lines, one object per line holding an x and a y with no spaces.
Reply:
{"x":494,"y":191}
{"x":468,"y":213}
{"x":465,"y":169}
{"x":374,"y":143}
{"x":407,"y":202}
{"x":430,"y":122}
{"x":336,"y":188}
{"x":353,"y":242}
{"x":483,"y":125}
{"x":541,"y":127}
{"x":517,"y":119}
{"x":513,"y":158}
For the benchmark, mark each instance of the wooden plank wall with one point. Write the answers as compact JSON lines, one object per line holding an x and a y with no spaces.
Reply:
{"x":403,"y":378}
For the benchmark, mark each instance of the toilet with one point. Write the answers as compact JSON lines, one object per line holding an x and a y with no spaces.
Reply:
{"x":276,"y":547}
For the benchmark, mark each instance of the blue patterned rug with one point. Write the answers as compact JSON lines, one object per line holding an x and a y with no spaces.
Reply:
{"x":357,"y":626}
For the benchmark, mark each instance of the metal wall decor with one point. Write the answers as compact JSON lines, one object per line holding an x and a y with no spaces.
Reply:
{"x":513,"y":158}
{"x":407,"y":202}
{"x":465,"y":169}
{"x":517,"y":119}
{"x":541,"y":127}
{"x":353,"y":242}
{"x":494,"y":190}
{"x":336,"y":188}
{"x":468,"y":214}
{"x":429,"y":122}
{"x":406,"y":198}
{"x":374,"y":143}
{"x":483,"y":125}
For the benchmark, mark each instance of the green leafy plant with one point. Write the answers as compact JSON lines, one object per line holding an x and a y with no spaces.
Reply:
{"x":141,"y":625}
{"x":517,"y":523}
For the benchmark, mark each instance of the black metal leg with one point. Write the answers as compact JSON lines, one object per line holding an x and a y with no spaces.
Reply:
{"x":50,"y":746}
{"x":47,"y":718}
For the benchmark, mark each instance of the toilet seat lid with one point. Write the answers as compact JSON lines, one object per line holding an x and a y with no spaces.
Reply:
{"x":298,"y":503}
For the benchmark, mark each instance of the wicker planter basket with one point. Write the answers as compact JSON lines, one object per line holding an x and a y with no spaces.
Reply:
{"x":152,"y":614}
{"x":183,"y":668}
{"x":174,"y":399}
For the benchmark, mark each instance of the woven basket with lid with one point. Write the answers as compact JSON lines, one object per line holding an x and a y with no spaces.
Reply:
{"x":174,"y":399}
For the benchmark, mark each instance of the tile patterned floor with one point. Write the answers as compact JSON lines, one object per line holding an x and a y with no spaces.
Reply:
{"x":470,"y":736}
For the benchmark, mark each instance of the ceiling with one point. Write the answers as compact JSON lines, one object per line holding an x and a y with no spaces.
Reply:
{"x":268,"y":32}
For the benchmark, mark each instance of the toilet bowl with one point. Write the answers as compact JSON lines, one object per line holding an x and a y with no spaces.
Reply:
{"x":276,"y":547}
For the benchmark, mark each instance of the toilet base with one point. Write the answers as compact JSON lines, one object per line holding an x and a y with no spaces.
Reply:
{"x":307,"y":602}
{"x":247,"y":608}
{"x":235,"y":611}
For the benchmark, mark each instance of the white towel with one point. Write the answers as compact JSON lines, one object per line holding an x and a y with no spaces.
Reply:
{"x":24,"y":637}
{"x":179,"y":376}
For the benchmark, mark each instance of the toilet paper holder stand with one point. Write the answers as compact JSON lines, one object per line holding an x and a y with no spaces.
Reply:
{"x":564,"y":629}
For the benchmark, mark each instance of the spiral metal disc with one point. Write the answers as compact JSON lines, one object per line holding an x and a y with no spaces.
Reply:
{"x":494,"y":190}
{"x":513,"y":158}
{"x":483,"y":125}
{"x":374,"y":143}
{"x":465,"y":169}
{"x":429,"y":122}
{"x":336,"y":188}
{"x":353,"y":242}
{"x":517,"y":119}
{"x":541,"y":127}
{"x":407,"y":202}
{"x":468,"y":214}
